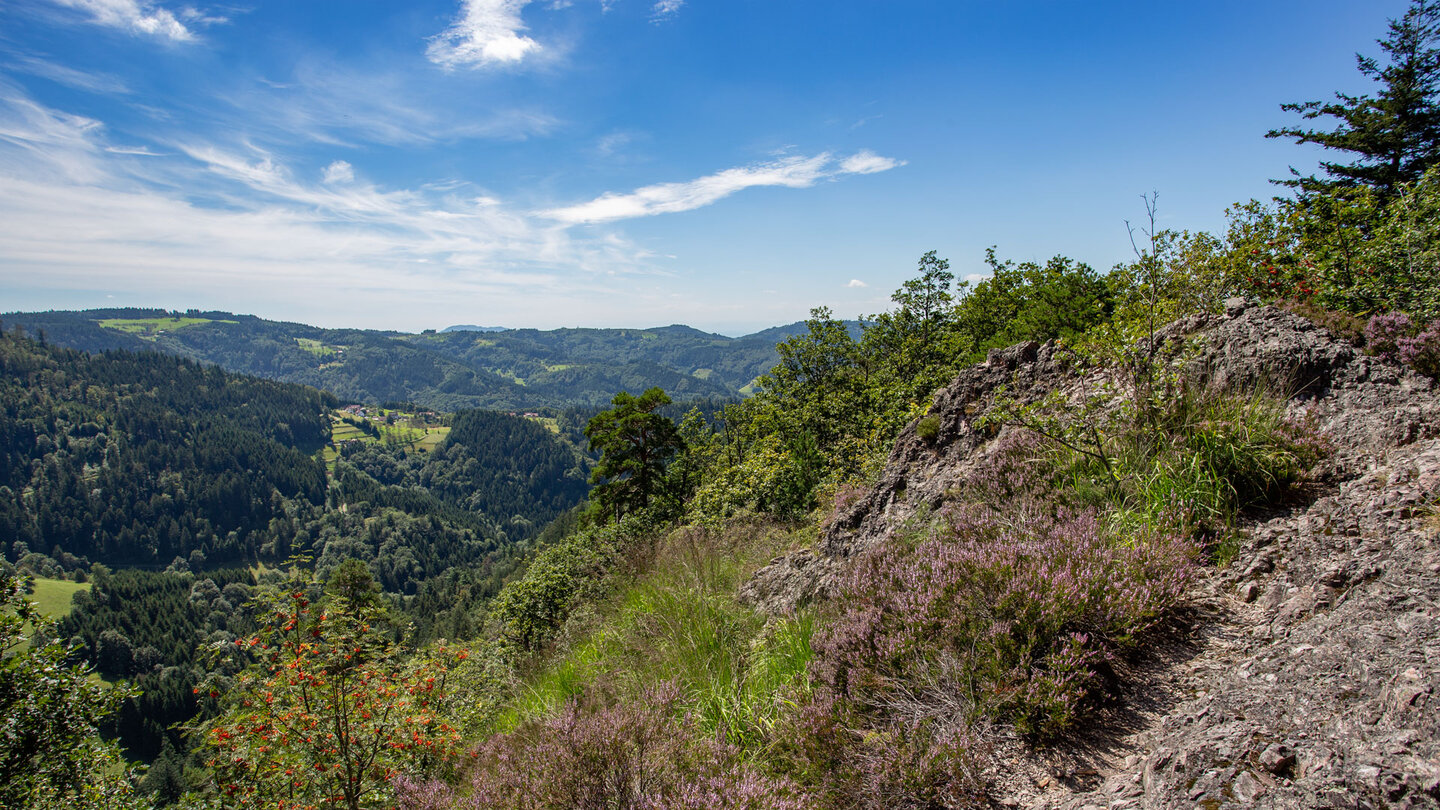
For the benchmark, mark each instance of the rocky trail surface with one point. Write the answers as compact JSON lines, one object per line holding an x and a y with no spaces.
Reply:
{"x":1307,"y":672}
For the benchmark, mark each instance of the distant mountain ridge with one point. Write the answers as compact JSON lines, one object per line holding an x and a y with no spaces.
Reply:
{"x":470,"y":327}
{"x":461,"y":367}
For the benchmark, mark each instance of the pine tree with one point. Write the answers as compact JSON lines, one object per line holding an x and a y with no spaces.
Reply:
{"x":635,"y":444}
{"x":1393,"y":136}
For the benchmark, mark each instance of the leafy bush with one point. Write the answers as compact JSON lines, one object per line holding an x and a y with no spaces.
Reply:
{"x":331,"y":711}
{"x":529,"y":610}
{"x":928,"y":428}
{"x":1348,"y":249}
{"x":51,"y":752}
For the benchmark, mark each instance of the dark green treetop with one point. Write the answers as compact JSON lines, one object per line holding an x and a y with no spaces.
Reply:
{"x":635,"y":444}
{"x":1393,"y":136}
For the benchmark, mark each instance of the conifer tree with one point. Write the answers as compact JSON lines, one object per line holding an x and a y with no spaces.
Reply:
{"x":635,"y":444}
{"x":1393,"y":136}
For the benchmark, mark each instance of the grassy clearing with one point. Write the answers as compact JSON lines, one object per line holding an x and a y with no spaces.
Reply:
{"x":54,"y":596}
{"x":149,"y":327}
{"x":679,"y":622}
{"x":315,"y":347}
{"x":702,"y":373}
{"x":413,"y":436}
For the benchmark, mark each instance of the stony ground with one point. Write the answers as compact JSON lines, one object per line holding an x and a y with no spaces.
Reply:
{"x":1307,"y":673}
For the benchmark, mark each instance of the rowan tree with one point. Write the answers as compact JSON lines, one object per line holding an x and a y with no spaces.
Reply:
{"x":331,"y":710}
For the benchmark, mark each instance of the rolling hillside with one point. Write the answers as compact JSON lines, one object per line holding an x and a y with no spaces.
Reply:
{"x":451,"y":370}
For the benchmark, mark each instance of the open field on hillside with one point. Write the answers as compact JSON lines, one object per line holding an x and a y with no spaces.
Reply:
{"x":407,"y":432}
{"x":54,"y":596}
{"x":145,"y":327}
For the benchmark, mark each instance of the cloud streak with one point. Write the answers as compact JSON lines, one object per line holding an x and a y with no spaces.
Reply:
{"x":668,"y":198}
{"x":207,"y":223}
{"x":488,"y":33}
{"x":137,"y":17}
{"x":198,"y":223}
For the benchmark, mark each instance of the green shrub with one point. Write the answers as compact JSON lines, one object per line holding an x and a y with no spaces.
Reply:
{"x":928,"y":428}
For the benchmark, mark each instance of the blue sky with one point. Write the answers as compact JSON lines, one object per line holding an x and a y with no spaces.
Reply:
{"x":728,"y":164}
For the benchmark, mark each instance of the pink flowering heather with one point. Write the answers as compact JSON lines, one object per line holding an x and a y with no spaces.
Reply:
{"x":1018,"y":616}
{"x":626,"y":757}
{"x":1394,"y":336}
{"x":1011,"y":608}
{"x":1384,"y":332}
{"x":1422,"y":352}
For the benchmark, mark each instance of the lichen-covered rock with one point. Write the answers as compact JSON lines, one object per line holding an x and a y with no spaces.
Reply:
{"x":1311,"y":672}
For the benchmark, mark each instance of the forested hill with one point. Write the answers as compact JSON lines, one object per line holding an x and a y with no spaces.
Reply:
{"x":511,"y":369}
{"x":135,"y":459}
{"x":116,"y":465}
{"x":138,"y":458}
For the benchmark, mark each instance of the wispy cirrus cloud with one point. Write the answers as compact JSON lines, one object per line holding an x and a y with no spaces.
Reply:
{"x":664,"y":9}
{"x":668,"y":198}
{"x":321,"y":101}
{"x":141,"y":17}
{"x":487,"y":33}
{"x":204,"y":221}
{"x":68,"y":76}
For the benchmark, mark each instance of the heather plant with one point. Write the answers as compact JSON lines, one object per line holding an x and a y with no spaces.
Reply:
{"x":643,"y":755}
{"x":1018,"y":614}
{"x":1395,"y":336}
{"x":1422,"y":352}
{"x":870,"y":763}
{"x":1343,"y":325}
{"x":1384,"y":332}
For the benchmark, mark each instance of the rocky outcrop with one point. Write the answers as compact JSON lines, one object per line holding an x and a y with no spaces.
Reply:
{"x":1309,"y":674}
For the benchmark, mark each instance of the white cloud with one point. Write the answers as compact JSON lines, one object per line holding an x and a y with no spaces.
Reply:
{"x":855,"y":282}
{"x":136,"y":16}
{"x":487,"y":33}
{"x":665,"y":8}
{"x":867,"y":162}
{"x":142,"y":151}
{"x":612,"y":143}
{"x":345,"y":105}
{"x":238,"y":228}
{"x":339,"y":172}
{"x":62,"y":74}
{"x":667,"y":198}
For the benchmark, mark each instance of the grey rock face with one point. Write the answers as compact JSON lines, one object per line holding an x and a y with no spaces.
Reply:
{"x":1313,"y":676}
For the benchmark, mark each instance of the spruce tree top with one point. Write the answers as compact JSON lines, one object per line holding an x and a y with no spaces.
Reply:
{"x":1393,"y":136}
